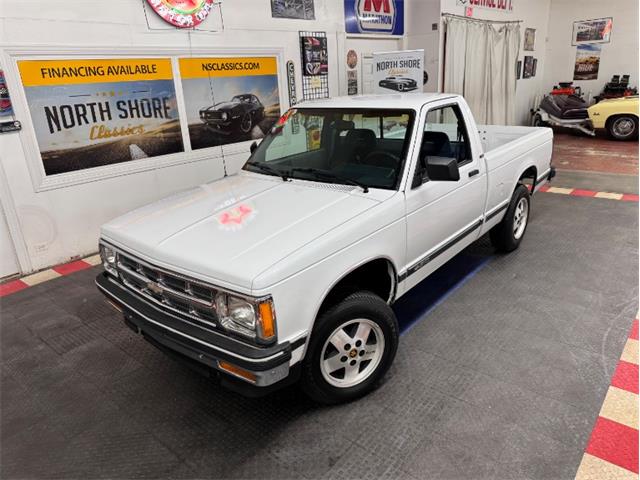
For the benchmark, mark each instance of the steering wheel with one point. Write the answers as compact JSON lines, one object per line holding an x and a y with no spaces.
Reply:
{"x":380,"y":158}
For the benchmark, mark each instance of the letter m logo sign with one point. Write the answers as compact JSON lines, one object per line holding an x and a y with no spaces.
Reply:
{"x":376,"y":16}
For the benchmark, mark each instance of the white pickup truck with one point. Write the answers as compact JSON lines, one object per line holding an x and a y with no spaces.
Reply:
{"x":287,"y":269}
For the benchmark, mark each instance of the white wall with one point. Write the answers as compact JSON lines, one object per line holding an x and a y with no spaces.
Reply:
{"x":421,"y":15}
{"x":51,"y":226}
{"x":534,"y":14}
{"x":619,"y":56}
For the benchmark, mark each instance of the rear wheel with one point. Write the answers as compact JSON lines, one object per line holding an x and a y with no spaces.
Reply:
{"x":623,"y":127}
{"x":537,"y":121}
{"x":352,"y":346}
{"x":507,"y":235}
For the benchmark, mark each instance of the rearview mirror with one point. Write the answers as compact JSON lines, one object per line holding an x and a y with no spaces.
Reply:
{"x":443,"y":169}
{"x":253,"y":147}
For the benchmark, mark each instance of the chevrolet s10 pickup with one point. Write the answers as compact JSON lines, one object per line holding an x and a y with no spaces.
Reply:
{"x":286,"y":271}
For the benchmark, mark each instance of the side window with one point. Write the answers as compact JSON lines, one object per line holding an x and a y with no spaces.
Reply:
{"x":445,"y":135}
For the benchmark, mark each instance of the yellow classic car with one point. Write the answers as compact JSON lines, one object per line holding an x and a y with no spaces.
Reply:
{"x":619,"y":116}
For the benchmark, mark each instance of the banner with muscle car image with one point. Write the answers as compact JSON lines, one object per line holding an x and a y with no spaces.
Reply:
{"x":90,"y":113}
{"x":400,"y":71}
{"x":229,"y":100}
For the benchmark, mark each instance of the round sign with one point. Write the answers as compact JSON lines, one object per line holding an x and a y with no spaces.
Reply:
{"x":352,"y":59}
{"x":182,"y":13}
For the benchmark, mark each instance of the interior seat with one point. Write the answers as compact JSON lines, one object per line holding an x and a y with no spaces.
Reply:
{"x":435,"y":144}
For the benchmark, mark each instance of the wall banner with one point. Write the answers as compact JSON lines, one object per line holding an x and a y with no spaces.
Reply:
{"x":587,"y":62}
{"x":401,"y":71}
{"x":505,"y":6}
{"x":229,"y":100}
{"x":384,"y":17}
{"x":89,"y":113}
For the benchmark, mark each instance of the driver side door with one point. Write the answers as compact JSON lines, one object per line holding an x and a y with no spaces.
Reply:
{"x":443,"y":216}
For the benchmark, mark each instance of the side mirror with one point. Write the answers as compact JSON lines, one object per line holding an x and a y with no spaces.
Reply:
{"x":443,"y":169}
{"x":253,"y":147}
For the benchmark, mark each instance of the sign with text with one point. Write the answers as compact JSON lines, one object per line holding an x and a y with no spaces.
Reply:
{"x":229,"y":100}
{"x":587,"y":62}
{"x":384,"y":17}
{"x":89,"y":113}
{"x":505,"y":6}
{"x":401,"y":71}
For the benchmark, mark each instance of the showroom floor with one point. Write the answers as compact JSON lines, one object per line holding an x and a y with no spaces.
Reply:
{"x":502,"y":369}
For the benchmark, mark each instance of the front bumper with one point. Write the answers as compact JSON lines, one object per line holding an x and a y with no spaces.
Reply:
{"x":201,"y":348}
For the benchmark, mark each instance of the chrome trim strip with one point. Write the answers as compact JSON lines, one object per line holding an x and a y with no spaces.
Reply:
{"x":182,"y":334}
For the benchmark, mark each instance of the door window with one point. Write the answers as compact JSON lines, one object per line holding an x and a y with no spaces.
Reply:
{"x":445,"y":135}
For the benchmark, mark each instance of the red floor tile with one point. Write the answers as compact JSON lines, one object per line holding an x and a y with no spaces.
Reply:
{"x":12,"y":287}
{"x":615,"y":443}
{"x":626,"y":377}
{"x":629,"y":197}
{"x":634,"y":330}
{"x":71,"y":267}
{"x":583,"y":193}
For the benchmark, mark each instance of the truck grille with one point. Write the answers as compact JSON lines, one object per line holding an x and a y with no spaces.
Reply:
{"x":171,"y":291}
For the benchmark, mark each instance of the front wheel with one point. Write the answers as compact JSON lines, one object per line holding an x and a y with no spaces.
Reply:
{"x":623,"y":127}
{"x":507,"y":235}
{"x":352,"y":346}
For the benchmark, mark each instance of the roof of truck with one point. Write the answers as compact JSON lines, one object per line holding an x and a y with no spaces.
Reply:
{"x":390,"y":100}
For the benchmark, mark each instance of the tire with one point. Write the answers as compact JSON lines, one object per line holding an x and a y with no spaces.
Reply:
{"x":538,"y":122}
{"x":507,"y":235}
{"x":337,"y":340}
{"x":623,"y":127}
{"x":246,"y":123}
{"x":400,"y":88}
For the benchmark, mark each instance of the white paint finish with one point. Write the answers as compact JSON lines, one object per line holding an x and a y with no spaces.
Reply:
{"x":619,"y":56}
{"x":55,"y":224}
{"x":534,"y":14}
{"x":8,"y":261}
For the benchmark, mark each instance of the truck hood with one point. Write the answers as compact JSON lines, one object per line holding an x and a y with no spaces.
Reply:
{"x":229,"y":231}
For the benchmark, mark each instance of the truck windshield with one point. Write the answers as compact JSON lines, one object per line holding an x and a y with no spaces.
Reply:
{"x":365,"y":147}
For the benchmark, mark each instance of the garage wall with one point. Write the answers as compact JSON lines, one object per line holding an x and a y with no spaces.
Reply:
{"x":52,"y":225}
{"x":422,"y":16}
{"x":534,"y":14}
{"x":619,"y":56}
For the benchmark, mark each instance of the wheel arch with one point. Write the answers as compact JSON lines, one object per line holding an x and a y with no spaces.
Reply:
{"x":531,"y":172}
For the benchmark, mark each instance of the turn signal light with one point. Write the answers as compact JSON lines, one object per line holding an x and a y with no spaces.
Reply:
{"x":237,"y":371}
{"x":267,"y":322}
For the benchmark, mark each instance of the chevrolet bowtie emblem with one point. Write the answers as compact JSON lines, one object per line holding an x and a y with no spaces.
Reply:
{"x":154,"y":287}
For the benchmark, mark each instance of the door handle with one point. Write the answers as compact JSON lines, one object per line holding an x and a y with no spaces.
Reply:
{"x":473,"y":173}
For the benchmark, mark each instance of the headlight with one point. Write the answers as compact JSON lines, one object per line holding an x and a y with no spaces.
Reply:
{"x":224,"y":116}
{"x":108,"y":256}
{"x":250,"y":318}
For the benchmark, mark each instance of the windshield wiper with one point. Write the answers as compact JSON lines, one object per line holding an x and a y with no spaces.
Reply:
{"x":317,"y":173}
{"x":268,"y":169}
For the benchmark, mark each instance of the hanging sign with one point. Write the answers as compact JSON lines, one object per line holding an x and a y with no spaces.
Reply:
{"x":93,"y":112}
{"x":291,"y":83}
{"x":401,"y":71}
{"x":385,"y":17}
{"x":182,"y":13}
{"x":505,"y":6}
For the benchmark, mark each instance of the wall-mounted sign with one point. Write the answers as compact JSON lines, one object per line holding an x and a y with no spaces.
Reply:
{"x":385,"y":17}
{"x":528,"y":67}
{"x":529,"y":39}
{"x":229,"y":100}
{"x":300,"y":9}
{"x":314,"y":55}
{"x":352,"y":59}
{"x":505,"y":6}
{"x":587,"y":62}
{"x":5,"y":100}
{"x":88,"y":113}
{"x":401,"y":71}
{"x":291,"y":83}
{"x":592,"y":31}
{"x":182,"y":13}
{"x":352,"y":82}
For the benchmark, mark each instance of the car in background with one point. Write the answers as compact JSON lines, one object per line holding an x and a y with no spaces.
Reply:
{"x":400,"y":84}
{"x":618,"y":116}
{"x":238,"y":115}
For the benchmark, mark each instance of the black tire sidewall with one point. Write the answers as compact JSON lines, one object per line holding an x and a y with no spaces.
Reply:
{"x":358,"y":305}
{"x":503,"y":236}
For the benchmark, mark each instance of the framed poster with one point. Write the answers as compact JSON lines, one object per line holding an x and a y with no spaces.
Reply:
{"x":518,"y":69}
{"x":528,"y":67}
{"x":401,"y":71}
{"x":298,"y":9}
{"x":587,"y":62}
{"x":352,"y":82}
{"x":229,"y":100}
{"x":314,"y":55}
{"x":5,"y":100}
{"x":93,"y":112}
{"x":592,"y":31}
{"x":535,"y":67}
{"x":381,"y":17}
{"x":529,"y":39}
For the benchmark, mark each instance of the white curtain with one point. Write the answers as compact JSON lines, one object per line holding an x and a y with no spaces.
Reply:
{"x":480,"y":63}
